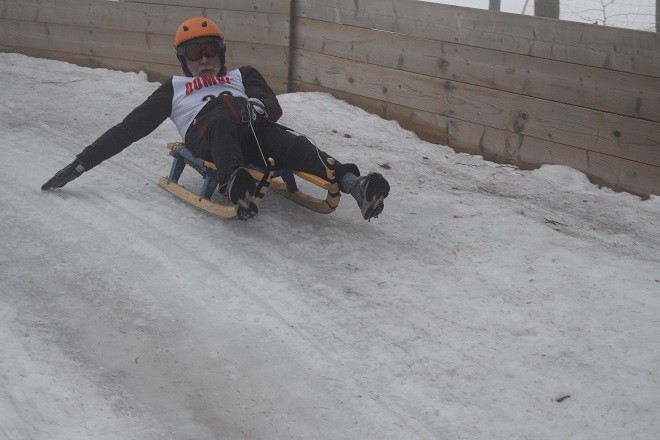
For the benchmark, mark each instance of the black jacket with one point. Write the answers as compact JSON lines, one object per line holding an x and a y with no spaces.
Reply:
{"x":145,"y":118}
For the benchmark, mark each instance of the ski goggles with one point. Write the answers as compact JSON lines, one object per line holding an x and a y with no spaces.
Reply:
{"x":195,"y":51}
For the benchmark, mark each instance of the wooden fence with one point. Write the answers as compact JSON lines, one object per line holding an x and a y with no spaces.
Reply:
{"x":139,"y":35}
{"x":514,"y":89}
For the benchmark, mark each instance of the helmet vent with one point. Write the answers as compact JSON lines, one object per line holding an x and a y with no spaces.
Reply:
{"x":204,"y":24}
{"x":186,"y":28}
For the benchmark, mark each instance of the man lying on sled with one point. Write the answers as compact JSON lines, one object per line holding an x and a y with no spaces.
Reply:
{"x":225,"y":117}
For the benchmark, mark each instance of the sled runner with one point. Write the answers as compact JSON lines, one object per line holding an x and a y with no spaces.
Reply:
{"x":282,"y":182}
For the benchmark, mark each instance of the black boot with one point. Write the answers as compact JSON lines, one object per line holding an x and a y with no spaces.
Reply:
{"x":240,"y":191}
{"x":370,"y":191}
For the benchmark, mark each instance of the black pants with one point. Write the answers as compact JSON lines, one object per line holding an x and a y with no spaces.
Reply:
{"x":219,"y":136}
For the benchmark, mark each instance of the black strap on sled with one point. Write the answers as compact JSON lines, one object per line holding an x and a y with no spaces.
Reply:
{"x":264,"y":183}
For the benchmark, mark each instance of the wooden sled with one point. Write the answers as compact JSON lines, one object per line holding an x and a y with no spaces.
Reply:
{"x":282,"y":182}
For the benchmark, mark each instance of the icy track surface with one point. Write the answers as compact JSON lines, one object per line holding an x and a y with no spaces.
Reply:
{"x":485,"y":303}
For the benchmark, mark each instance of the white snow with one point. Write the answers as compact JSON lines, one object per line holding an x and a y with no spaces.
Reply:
{"x":486,"y":302}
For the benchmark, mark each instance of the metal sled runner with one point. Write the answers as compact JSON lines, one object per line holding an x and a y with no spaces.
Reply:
{"x":282,"y":182}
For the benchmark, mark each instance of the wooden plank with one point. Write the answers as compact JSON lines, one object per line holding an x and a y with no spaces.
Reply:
{"x":599,"y":46}
{"x":184,"y":194}
{"x":244,"y":26}
{"x":155,"y":72}
{"x":267,"y":6}
{"x":507,"y":147}
{"x":131,"y":46}
{"x":428,"y":126}
{"x":528,"y":152}
{"x":617,"y":135}
{"x":601,"y":89}
{"x":88,"y":41}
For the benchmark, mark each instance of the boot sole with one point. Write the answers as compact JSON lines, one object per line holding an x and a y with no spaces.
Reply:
{"x":377,"y":190}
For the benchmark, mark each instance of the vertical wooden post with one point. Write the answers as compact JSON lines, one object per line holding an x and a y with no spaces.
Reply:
{"x":546,"y":8}
{"x":292,"y":43}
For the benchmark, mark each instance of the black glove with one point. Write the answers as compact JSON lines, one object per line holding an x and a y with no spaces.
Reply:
{"x":64,"y":176}
{"x":256,"y":111}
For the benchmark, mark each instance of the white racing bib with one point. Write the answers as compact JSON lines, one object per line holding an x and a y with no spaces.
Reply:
{"x":193,"y":93}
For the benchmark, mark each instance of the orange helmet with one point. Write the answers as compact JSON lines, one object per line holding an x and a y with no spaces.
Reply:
{"x":195,"y":28}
